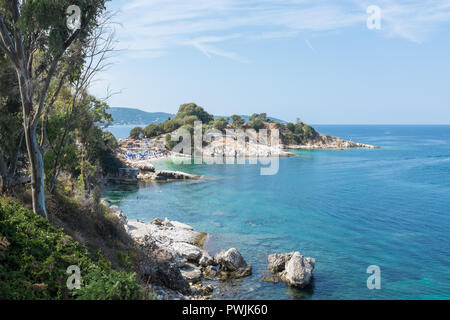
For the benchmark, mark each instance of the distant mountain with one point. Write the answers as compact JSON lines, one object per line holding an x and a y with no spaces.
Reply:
{"x":131,"y":116}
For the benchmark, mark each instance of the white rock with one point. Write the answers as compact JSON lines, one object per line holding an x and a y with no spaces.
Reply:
{"x":191,"y":273}
{"x":186,"y":250}
{"x":206,"y":259}
{"x":298,"y":271}
{"x":230,"y":260}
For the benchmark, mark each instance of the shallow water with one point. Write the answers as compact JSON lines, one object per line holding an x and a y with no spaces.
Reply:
{"x":349,"y":209}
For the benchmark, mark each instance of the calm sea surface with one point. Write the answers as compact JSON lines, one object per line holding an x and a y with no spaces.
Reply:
{"x":348,"y":209}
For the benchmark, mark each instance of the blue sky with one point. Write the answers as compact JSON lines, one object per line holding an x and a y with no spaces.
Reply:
{"x":312,"y":59}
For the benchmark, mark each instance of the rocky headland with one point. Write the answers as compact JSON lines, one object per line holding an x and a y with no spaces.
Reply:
{"x":325,"y":142}
{"x":144,"y":171}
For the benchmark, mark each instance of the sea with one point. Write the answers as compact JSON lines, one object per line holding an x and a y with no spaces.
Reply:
{"x":349,"y":209}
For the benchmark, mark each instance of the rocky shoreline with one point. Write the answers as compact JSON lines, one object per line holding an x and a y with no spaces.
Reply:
{"x":176,"y":264}
{"x":144,"y":171}
{"x":325,"y":142}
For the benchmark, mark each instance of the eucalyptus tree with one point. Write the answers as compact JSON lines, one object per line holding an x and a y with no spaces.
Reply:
{"x":11,"y":130}
{"x":35,"y":37}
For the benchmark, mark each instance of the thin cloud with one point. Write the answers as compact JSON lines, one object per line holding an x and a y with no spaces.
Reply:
{"x":153,"y":27}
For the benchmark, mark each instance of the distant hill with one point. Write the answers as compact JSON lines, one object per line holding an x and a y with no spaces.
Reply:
{"x":131,"y":116}
{"x":270,"y":118}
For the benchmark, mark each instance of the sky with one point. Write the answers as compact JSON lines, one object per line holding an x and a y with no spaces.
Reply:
{"x":316,"y":60}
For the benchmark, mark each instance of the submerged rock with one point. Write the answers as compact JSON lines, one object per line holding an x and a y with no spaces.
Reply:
{"x":271,"y":279}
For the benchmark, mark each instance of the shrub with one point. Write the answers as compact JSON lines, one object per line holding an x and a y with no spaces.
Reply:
{"x":34,"y":257}
{"x":220,"y":123}
{"x":136,"y":133}
{"x":257,"y":124}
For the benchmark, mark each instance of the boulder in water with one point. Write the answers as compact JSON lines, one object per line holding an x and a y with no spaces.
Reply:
{"x":232,"y":264}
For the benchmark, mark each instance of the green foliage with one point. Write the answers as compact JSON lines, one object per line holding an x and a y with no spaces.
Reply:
{"x":237,"y":121}
{"x":170,"y":144}
{"x":110,"y":140}
{"x":153,"y":130}
{"x":113,"y":285}
{"x":48,"y":17}
{"x":220,"y":123}
{"x":298,"y":133}
{"x":257,"y":124}
{"x":171,"y":125}
{"x":185,"y":118}
{"x":12,"y":143}
{"x":188,"y":127}
{"x":191,"y":109}
{"x":127,"y":260}
{"x":189,"y":120}
{"x":290,"y":126}
{"x":258,"y":116}
{"x":34,"y":257}
{"x":136,"y":133}
{"x":78,"y":145}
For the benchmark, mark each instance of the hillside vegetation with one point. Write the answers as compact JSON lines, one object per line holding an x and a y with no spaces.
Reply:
{"x":290,"y":133}
{"x":35,"y":255}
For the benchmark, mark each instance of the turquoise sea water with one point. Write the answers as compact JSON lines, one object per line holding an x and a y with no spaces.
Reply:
{"x":349,"y":209}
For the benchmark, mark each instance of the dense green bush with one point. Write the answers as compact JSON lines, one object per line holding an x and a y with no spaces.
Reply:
{"x":136,"y":133}
{"x":220,"y":123}
{"x":257,"y":124}
{"x":34,"y":257}
{"x":191,"y":109}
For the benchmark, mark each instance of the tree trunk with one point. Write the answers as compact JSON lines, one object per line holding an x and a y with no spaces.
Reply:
{"x":37,"y":171}
{"x":35,"y":153}
{"x":3,"y":174}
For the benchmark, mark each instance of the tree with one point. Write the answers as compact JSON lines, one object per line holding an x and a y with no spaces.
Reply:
{"x":191,"y":109}
{"x":257,"y":124}
{"x":290,"y":126}
{"x":298,"y":128}
{"x":11,"y":130}
{"x":309,"y":132}
{"x":220,"y":123}
{"x":136,"y":133}
{"x":35,"y":37}
{"x":190,"y":120}
{"x":71,"y":102}
{"x":258,"y":116}
{"x":150,"y":131}
{"x":237,"y":121}
{"x":171,"y":125}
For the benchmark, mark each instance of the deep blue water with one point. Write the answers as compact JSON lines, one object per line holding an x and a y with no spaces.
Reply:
{"x":349,"y":209}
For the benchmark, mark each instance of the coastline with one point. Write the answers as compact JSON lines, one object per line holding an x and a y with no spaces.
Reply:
{"x":326,"y":142}
{"x":180,"y":246}
{"x":180,"y":264}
